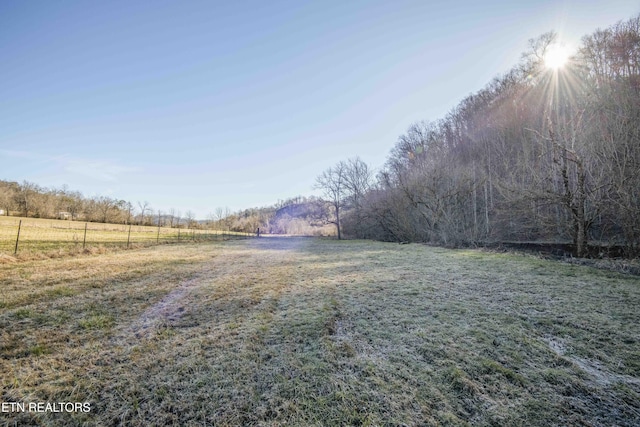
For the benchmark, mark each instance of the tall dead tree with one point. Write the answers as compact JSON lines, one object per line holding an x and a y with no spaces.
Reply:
{"x":334,"y":186}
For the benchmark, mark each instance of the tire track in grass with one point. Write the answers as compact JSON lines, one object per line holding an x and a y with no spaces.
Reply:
{"x":596,"y":371}
{"x":169,"y":309}
{"x":183,"y":298}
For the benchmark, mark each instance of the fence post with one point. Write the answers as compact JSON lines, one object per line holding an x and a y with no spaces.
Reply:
{"x":158,"y":236}
{"x":129,"y":236}
{"x":18,"y":237}
{"x":178,"y":234}
{"x":84,"y":239}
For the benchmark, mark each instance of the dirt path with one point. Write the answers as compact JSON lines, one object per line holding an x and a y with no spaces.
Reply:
{"x":229,"y":267}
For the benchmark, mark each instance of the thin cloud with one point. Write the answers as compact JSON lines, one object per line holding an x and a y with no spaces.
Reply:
{"x":100,"y":170}
{"x":21,"y":154}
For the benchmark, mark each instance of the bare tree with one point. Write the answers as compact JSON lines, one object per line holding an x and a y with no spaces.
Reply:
{"x":144,"y":207}
{"x":105,"y":206}
{"x":333,"y":184}
{"x":172,"y":216}
{"x":357,"y":180}
{"x":211,"y":220}
{"x":227,"y":218}
{"x":219,"y":214}
{"x":190,"y":217}
{"x":25,"y":196}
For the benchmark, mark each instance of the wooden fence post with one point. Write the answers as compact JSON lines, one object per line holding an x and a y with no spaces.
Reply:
{"x":18,"y":237}
{"x":84,"y":239}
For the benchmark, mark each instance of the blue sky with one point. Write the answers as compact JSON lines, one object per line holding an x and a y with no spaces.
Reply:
{"x":203,"y":104}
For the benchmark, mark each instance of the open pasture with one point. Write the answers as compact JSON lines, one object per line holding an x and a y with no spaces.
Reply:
{"x":42,"y":236}
{"x":311,"y":332}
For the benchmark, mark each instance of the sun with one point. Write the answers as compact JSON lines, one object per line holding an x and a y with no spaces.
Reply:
{"x":556,"y":56}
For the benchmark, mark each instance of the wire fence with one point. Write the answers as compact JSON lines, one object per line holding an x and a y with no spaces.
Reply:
{"x":42,"y":235}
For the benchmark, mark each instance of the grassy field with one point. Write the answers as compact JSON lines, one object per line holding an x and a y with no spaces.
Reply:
{"x":58,"y":237}
{"x":310,"y":332}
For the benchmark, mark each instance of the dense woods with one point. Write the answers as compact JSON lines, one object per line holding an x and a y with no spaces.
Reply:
{"x":539,"y":154}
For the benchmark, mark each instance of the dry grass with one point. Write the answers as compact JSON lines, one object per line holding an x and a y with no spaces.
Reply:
{"x":296,"y":331}
{"x":54,"y":238}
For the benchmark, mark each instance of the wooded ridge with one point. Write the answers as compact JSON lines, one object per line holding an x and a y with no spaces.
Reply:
{"x":543,"y":153}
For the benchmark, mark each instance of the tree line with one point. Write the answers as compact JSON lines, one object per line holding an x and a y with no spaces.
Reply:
{"x":297,"y":215}
{"x":31,"y":200}
{"x":538,"y":154}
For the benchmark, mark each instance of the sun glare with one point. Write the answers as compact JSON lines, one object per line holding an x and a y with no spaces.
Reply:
{"x":556,"y":57}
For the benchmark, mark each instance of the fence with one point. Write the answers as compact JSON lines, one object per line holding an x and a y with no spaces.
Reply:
{"x":42,"y":235}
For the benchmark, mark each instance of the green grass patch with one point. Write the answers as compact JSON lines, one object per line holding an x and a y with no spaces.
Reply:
{"x":97,"y":321}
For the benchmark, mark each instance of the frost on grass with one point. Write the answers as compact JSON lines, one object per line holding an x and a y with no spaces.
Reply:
{"x":166,"y":311}
{"x":595,"y":370}
{"x":319,"y":332}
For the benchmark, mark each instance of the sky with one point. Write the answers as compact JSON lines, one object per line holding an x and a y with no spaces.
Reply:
{"x":195,"y":105}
